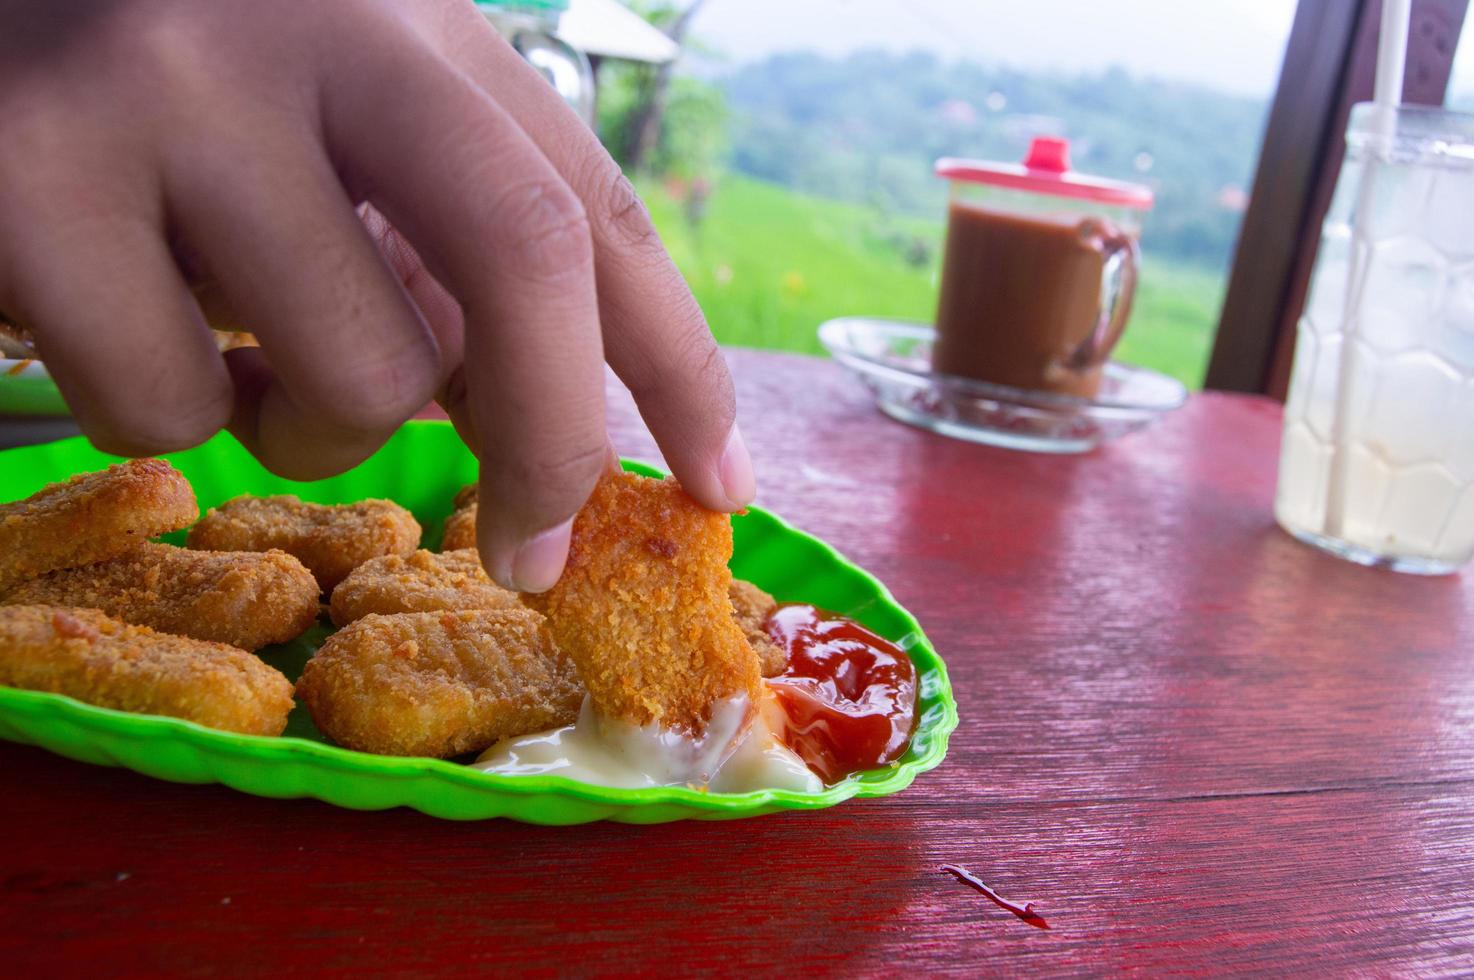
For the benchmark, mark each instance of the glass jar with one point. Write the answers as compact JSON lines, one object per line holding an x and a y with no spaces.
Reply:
{"x":1039,"y":271}
{"x":531,"y":26}
{"x":1377,"y":462}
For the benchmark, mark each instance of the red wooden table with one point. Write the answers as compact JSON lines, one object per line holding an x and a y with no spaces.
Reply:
{"x":1194,"y":743}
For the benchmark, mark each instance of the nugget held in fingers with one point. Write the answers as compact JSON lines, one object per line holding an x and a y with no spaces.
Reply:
{"x":331,"y":540}
{"x":439,"y":683}
{"x":90,"y":656}
{"x":90,"y":517}
{"x":460,"y":526}
{"x":423,"y":582}
{"x":245,"y":598}
{"x":752,"y":607}
{"x":643,"y":606}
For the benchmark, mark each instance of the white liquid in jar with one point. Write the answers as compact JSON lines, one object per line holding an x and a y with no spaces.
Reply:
{"x":1378,"y":448}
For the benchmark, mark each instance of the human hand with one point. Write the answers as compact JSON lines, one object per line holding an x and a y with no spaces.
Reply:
{"x":156,"y":145}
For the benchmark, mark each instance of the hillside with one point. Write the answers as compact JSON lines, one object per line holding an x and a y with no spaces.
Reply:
{"x":867,"y":128}
{"x":768,"y":265}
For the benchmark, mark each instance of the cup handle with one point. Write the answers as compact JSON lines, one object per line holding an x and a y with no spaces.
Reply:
{"x":1119,"y":260}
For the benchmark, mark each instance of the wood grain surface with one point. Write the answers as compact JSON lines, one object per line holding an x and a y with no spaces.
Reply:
{"x":1193,"y":743}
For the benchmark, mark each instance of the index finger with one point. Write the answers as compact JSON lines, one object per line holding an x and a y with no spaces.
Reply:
{"x":655,"y":336}
{"x":500,"y":229}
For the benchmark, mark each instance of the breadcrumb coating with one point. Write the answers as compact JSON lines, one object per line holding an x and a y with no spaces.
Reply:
{"x":90,"y":656}
{"x":643,"y":606}
{"x":752,"y":607}
{"x":439,"y":683}
{"x":330,"y":539}
{"x":91,"y":517}
{"x":423,"y":582}
{"x":244,"y":598}
{"x":460,"y":526}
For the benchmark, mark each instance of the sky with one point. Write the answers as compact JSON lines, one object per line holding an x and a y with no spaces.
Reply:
{"x":1233,"y":45}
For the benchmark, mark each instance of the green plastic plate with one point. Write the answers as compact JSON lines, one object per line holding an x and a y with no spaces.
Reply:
{"x":421,"y":467}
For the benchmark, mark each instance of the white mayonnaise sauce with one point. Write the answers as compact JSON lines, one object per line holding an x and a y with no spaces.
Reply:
{"x":738,"y":753}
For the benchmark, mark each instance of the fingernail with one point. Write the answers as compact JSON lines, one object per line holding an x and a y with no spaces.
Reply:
{"x":736,"y":471}
{"x":541,"y":558}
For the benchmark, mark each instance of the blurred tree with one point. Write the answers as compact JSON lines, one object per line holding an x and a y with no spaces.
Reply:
{"x":642,"y":129}
{"x":693,"y":132}
{"x":867,"y":127}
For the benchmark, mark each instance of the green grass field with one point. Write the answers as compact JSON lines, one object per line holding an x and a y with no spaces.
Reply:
{"x":769,"y":265}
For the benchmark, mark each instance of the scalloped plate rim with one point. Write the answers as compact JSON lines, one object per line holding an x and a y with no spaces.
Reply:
{"x":942,"y":716}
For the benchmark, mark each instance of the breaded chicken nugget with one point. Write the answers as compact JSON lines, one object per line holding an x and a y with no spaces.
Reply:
{"x":460,"y":526}
{"x":88,"y":655}
{"x":642,"y":606}
{"x":331,"y":540}
{"x":423,"y":582}
{"x":248,"y":599}
{"x":753,"y":606}
{"x":90,"y":517}
{"x":439,"y":683}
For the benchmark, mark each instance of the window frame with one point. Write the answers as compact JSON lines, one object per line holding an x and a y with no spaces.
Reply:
{"x":1329,"y":64}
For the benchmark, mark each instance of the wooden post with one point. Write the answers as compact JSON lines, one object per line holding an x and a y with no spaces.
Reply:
{"x":1329,"y":64}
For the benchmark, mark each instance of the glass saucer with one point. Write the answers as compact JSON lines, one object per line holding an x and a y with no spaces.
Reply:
{"x":893,"y":359}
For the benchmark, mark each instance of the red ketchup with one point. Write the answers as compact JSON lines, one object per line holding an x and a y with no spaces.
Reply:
{"x":849,"y":695}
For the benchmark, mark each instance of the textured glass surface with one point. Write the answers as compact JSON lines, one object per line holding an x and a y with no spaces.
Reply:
{"x":1378,"y":454}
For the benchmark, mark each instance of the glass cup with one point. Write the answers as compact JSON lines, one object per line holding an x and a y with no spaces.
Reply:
{"x":1038,"y":274}
{"x":1377,"y":462}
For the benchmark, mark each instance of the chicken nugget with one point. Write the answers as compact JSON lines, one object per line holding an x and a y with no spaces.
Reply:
{"x":752,"y":607}
{"x":460,"y":526}
{"x":91,"y":517}
{"x":90,"y":656}
{"x":331,"y":540}
{"x":248,"y":599}
{"x":439,"y":683}
{"x":423,"y":582}
{"x":643,"y":606}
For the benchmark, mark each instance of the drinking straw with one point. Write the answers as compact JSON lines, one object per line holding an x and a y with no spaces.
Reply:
{"x":1386,"y":95}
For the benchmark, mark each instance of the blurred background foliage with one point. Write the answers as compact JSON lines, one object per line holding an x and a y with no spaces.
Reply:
{"x":799,"y":187}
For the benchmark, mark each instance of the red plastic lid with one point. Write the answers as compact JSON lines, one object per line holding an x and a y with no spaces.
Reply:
{"x":1046,"y":170}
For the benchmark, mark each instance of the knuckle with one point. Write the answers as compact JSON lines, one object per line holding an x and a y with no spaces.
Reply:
{"x":620,"y":212}
{"x":541,"y":229}
{"x":696,"y":357}
{"x":712,"y":382}
{"x":717,"y":380}
{"x":378,"y":393}
{"x":167,"y":46}
{"x":557,"y":471}
{"x":688,"y":360}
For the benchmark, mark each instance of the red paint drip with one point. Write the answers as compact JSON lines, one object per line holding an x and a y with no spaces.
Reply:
{"x":1025,"y":912}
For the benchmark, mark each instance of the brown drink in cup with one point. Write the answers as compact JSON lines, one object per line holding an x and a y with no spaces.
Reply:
{"x":1039,"y":272}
